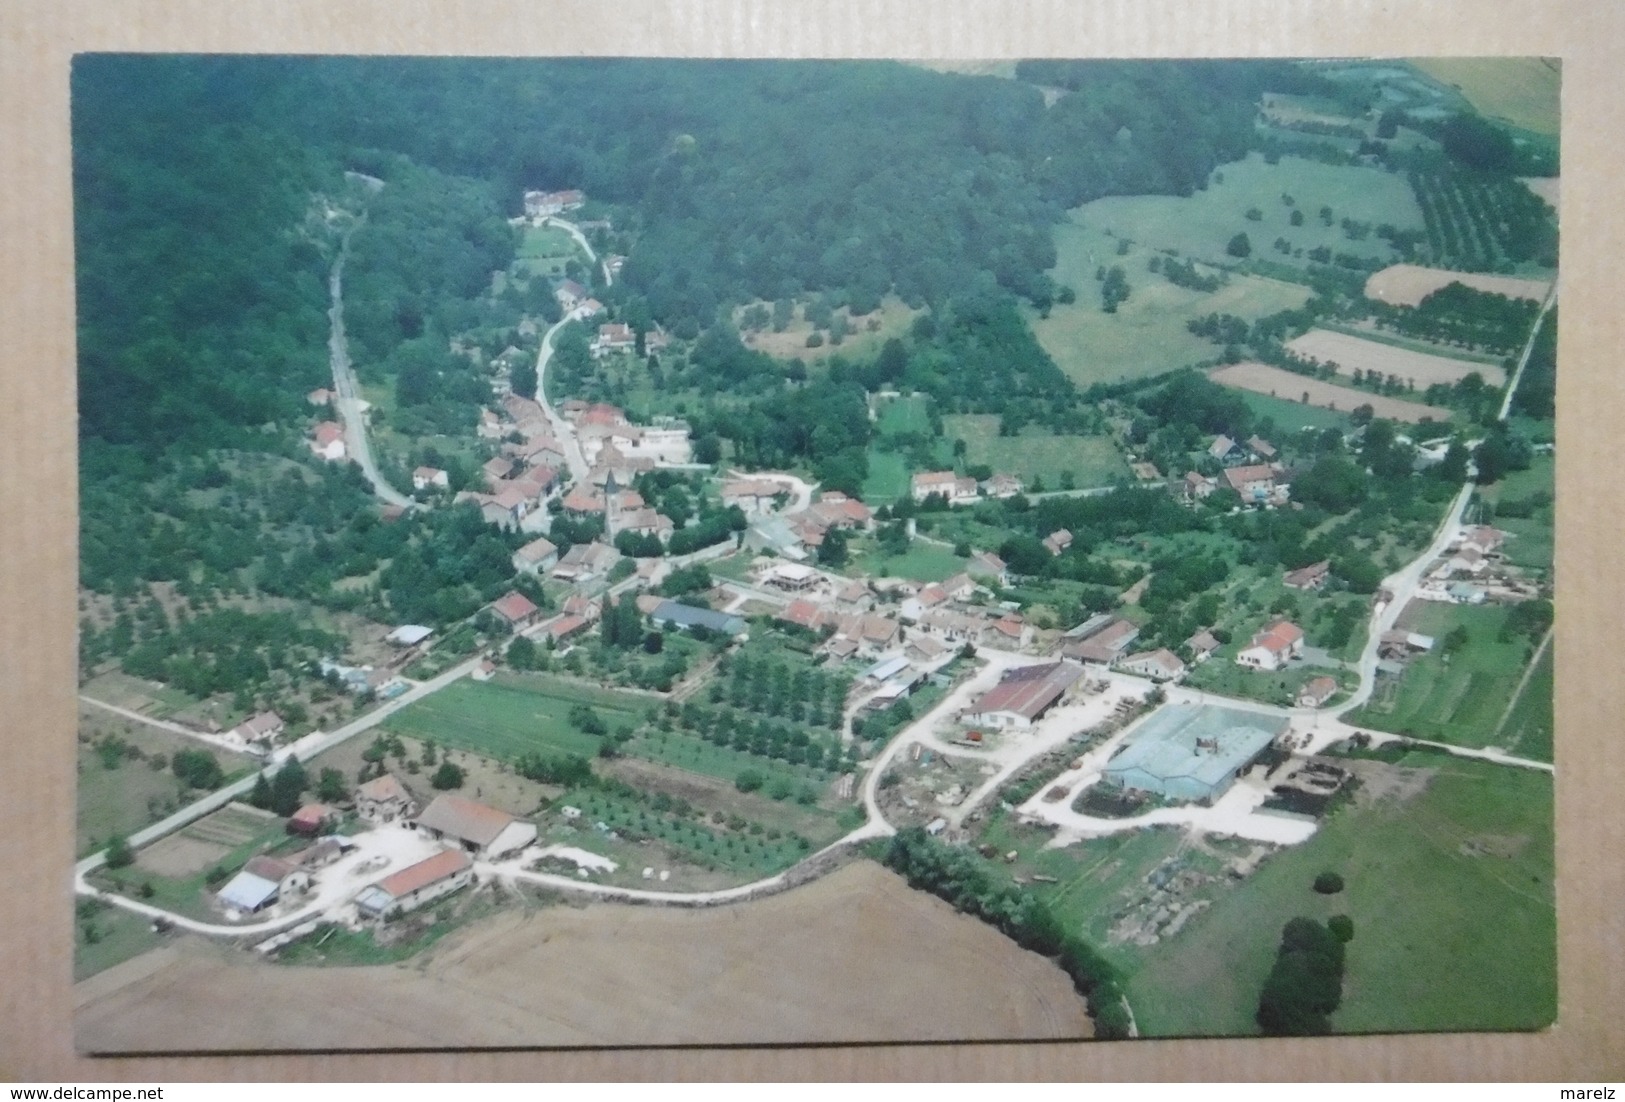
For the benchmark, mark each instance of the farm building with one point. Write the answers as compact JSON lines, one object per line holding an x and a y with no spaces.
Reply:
{"x":262,"y":882}
{"x":1192,"y":752}
{"x":481,"y":830}
{"x":689,"y":617}
{"x":1161,"y":664}
{"x":409,"y":635}
{"x":416,"y":885}
{"x":1023,"y":695}
{"x":1102,"y":645}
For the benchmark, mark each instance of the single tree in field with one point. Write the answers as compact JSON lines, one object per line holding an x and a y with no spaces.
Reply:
{"x":1239,"y":246}
{"x":448,"y":776}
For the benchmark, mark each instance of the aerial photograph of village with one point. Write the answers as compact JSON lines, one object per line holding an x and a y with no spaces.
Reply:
{"x":602,"y":552}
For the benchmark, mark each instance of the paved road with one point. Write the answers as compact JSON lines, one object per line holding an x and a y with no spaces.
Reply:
{"x":348,"y":401}
{"x":220,"y":742}
{"x":218,"y":799}
{"x":1529,"y":346}
{"x":1403,"y":584}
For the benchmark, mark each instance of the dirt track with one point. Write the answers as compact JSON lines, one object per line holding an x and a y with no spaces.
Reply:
{"x":856,"y":956}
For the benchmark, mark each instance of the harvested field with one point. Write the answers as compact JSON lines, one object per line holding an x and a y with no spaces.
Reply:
{"x":856,"y":956}
{"x":1421,"y":369}
{"x":1278,"y":382}
{"x":1409,"y":284}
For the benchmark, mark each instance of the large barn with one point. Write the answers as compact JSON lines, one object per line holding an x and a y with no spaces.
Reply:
{"x":1024,"y":694}
{"x":1192,"y":752}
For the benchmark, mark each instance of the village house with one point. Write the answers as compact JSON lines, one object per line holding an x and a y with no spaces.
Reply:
{"x":320,"y":397}
{"x":585,"y":563}
{"x":1058,"y":541}
{"x":536,"y":556}
{"x":612,"y":337}
{"x":836,"y":510}
{"x":561,"y":629}
{"x":1467,"y":559}
{"x":1273,"y":647}
{"x":327,"y":441}
{"x":1483,"y":539}
{"x":424,"y":478}
{"x":1195,"y":487}
{"x":1024,"y":695}
{"x":924,"y":648}
{"x":1159,"y":665}
{"x":1312,"y":576}
{"x":988,"y":567}
{"x":752,"y":495}
{"x":802,"y":613}
{"x":1316,"y":691}
{"x":383,"y":800}
{"x":956,"y":490}
{"x":261,"y":727}
{"x":1225,"y":451}
{"x":1009,"y":630}
{"x":1257,"y":484}
{"x":929,"y":597}
{"x":496,"y":469}
{"x":570,"y":294}
{"x":1002,"y":485}
{"x":483,"y":831}
{"x":415,"y":885}
{"x":516,"y":610}
{"x":952,"y":627}
{"x":490,"y":426}
{"x":1260,"y":449}
{"x":1144,"y":472}
{"x":1202,"y":645}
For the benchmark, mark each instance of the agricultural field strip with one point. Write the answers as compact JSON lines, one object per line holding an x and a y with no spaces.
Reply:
{"x":1409,"y":284}
{"x":1279,"y":382}
{"x":1421,"y":369}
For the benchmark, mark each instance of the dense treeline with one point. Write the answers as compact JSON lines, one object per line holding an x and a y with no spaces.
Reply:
{"x":201,"y":289}
{"x":1458,"y":314}
{"x":957,"y":876}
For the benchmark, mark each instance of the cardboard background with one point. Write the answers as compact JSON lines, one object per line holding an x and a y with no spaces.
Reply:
{"x":38,"y":495}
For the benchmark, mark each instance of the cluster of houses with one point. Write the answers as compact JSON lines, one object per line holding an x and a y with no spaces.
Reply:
{"x":1251,"y":469}
{"x":1473,"y":570}
{"x":464,"y":829}
{"x":607,"y":437}
{"x":925,"y":622}
{"x":957,"y":490}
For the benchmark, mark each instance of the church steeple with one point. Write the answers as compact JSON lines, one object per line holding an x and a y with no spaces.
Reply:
{"x":612,"y":507}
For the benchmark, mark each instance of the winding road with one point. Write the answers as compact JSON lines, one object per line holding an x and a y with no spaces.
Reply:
{"x":348,"y":400}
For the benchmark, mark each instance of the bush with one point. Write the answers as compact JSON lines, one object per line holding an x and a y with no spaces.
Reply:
{"x":119,"y":853}
{"x":1328,"y":883}
{"x":448,"y":776}
{"x":749,"y":780}
{"x":1342,"y":928}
